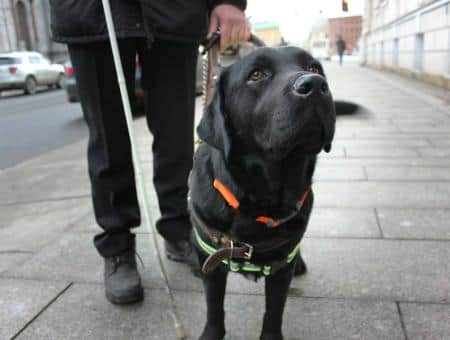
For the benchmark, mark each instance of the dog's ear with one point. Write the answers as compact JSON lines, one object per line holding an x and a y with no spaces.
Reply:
{"x":213,"y":128}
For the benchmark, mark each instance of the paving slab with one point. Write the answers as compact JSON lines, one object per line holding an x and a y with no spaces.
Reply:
{"x":376,"y":151}
{"x":303,"y":318}
{"x":383,"y":143}
{"x":426,"y":321}
{"x":28,"y":227}
{"x":440,"y":142}
{"x":443,"y":152}
{"x":327,"y":173}
{"x":9,"y":259}
{"x":415,"y":223}
{"x":342,"y":222}
{"x":83,"y":313}
{"x":385,"y":162}
{"x":73,"y":257}
{"x":41,"y":182}
{"x":382,"y":194}
{"x":75,"y":152}
{"x":408,"y":173}
{"x":376,"y":269}
{"x":22,"y":300}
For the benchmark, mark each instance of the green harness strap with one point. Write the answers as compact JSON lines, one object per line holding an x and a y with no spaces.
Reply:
{"x":243,"y":266}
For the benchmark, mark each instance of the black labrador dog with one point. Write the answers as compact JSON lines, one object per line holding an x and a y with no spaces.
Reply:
{"x":250,"y":188}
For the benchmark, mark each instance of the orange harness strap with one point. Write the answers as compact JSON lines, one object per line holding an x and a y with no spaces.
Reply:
{"x":233,"y":202}
{"x":226,"y":194}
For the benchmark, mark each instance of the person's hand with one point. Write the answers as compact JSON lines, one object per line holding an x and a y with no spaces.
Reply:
{"x":233,"y":25}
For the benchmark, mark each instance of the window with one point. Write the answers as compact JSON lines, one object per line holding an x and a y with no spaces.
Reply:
{"x":395,"y":52}
{"x":35,"y":60}
{"x":10,"y":61}
{"x":418,"y":52}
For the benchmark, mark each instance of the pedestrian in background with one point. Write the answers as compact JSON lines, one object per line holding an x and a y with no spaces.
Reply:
{"x":165,"y":35}
{"x":341,"y":46}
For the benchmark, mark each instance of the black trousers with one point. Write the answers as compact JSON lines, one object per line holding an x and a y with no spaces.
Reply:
{"x":168,"y":80}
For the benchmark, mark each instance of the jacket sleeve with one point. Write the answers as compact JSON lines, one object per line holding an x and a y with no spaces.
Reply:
{"x":242,"y":4}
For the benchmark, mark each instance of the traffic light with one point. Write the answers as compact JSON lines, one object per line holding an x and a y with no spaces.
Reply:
{"x":345,"y":5}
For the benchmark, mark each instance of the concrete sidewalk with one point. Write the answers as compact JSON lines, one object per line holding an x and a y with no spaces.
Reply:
{"x":378,"y":245}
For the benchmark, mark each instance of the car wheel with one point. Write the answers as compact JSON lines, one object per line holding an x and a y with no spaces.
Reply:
{"x":61,"y":81}
{"x":30,"y":85}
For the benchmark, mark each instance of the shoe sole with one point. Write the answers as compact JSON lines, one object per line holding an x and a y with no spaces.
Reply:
{"x":123,"y":300}
{"x":176,"y":258}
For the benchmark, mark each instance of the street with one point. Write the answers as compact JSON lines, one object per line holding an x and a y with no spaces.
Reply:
{"x":33,"y":125}
{"x":377,"y":245}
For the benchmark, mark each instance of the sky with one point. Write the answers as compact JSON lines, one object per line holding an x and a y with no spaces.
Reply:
{"x":296,"y":17}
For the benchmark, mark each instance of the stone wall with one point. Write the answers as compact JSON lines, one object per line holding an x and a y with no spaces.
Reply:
{"x":25,"y":25}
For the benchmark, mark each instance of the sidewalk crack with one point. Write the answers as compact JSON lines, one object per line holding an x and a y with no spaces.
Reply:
{"x":41,"y":311}
{"x":377,"y":219}
{"x":402,"y":321}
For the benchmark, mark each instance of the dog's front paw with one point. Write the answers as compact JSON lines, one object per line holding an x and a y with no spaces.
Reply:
{"x":271,"y":336}
{"x":212,"y":333}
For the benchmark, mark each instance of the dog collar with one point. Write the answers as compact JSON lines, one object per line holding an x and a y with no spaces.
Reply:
{"x":224,"y":249}
{"x":233,"y":202}
{"x":216,"y":258}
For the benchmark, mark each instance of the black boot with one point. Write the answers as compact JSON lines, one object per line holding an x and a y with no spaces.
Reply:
{"x":183,"y":251}
{"x":122,"y":279}
{"x":179,"y":251}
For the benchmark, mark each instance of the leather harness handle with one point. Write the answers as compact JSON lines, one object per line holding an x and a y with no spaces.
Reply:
{"x":226,"y":253}
{"x":214,"y":68}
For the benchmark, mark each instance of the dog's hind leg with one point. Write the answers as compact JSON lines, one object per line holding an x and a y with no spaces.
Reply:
{"x":214,"y":284}
{"x":300,"y":266}
{"x":277,"y":286}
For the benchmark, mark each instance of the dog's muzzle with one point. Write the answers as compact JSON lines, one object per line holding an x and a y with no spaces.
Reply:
{"x":308,"y":85}
{"x":313,"y":88}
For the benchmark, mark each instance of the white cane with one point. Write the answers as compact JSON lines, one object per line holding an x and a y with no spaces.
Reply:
{"x":140,"y":183}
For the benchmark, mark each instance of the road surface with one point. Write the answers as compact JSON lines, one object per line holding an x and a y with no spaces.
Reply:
{"x":32,"y":125}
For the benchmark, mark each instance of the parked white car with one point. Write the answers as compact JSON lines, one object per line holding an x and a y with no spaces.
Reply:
{"x":27,"y":71}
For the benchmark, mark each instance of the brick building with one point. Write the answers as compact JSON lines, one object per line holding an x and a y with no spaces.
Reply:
{"x":269,"y":32}
{"x":349,"y":28}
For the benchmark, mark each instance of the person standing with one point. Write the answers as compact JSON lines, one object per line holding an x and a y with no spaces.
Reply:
{"x":165,"y":35}
{"x":341,"y":46}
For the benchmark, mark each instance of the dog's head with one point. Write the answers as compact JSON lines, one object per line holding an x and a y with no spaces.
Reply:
{"x":274,"y":103}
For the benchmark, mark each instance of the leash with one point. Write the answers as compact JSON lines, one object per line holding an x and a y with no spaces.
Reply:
{"x":140,"y":182}
{"x":212,"y":66}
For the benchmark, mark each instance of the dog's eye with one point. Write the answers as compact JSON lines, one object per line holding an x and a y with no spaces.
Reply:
{"x":256,"y":75}
{"x":313,"y":69}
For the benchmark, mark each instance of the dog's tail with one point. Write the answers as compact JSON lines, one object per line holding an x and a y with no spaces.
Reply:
{"x":345,"y":108}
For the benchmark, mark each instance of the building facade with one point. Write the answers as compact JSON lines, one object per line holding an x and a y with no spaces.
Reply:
{"x":269,"y":32}
{"x":410,"y":37}
{"x":349,"y":28}
{"x":25,"y":26}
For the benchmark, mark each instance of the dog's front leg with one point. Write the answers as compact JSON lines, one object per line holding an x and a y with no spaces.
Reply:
{"x":277,"y":286}
{"x":215,"y":285}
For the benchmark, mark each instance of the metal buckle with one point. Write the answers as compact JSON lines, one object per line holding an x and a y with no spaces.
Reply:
{"x":232,"y":249}
{"x":248,"y":255}
{"x":215,"y":38}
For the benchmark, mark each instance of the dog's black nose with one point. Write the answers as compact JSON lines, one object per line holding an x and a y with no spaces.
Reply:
{"x":309,"y":84}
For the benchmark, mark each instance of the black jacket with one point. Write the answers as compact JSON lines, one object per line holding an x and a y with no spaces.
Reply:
{"x":82,"y":21}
